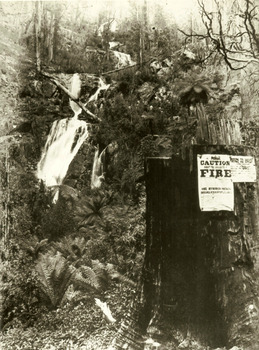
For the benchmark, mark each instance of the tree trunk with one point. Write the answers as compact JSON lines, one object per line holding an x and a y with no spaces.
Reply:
{"x":51,"y":36}
{"x":5,"y":224}
{"x":142,"y":34}
{"x":37,"y":26}
{"x":141,"y":46}
{"x":201,"y":268}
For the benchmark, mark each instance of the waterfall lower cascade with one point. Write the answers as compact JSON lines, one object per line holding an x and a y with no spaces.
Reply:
{"x":97,"y":171}
{"x":64,"y":140}
{"x":100,"y":164}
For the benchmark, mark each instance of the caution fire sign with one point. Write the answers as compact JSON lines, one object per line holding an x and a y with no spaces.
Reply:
{"x":216,"y":191}
{"x":216,"y":175}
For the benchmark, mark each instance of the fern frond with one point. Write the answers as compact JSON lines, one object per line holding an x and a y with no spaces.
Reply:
{"x":33,"y":246}
{"x":85,"y":278}
{"x":54,"y":276}
{"x":101,"y":273}
{"x":73,"y":249}
{"x":44,"y":279}
{"x":117,"y":275}
{"x":89,"y":211}
{"x":71,"y":294}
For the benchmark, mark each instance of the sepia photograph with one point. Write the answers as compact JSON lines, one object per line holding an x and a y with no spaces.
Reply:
{"x":129,"y":149}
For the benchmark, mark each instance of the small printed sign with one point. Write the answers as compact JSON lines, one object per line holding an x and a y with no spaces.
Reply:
{"x":243,"y":169}
{"x":216,"y":189}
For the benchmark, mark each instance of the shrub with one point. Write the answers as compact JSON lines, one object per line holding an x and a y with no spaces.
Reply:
{"x":73,"y":250}
{"x":18,"y":288}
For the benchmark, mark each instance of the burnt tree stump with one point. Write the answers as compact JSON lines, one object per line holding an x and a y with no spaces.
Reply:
{"x":201,"y":269}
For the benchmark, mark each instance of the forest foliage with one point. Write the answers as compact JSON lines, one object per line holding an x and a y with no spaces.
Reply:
{"x":91,"y":242}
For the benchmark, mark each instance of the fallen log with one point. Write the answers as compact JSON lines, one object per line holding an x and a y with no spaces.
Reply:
{"x":90,"y":117}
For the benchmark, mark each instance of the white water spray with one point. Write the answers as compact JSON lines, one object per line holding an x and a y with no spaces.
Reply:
{"x":101,"y":86}
{"x":124,"y":59}
{"x":75,"y":90}
{"x":65,"y":138}
{"x":97,"y":172}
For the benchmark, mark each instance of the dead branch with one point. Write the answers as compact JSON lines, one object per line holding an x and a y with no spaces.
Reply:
{"x":200,"y":36}
{"x":92,"y":118}
{"x":131,"y":66}
{"x":230,"y":46}
{"x":119,"y":69}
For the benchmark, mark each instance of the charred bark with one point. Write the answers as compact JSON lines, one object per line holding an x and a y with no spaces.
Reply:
{"x":201,"y":268}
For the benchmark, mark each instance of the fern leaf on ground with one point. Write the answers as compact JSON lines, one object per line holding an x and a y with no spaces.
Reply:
{"x":85,"y":279}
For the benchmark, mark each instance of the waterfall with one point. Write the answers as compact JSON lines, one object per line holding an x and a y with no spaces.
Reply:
{"x":75,"y":90}
{"x":97,"y":171}
{"x":101,"y":86}
{"x":124,"y":59}
{"x":64,"y":140}
{"x":100,"y":163}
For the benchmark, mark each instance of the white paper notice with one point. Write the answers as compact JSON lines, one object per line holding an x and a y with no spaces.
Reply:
{"x":243,"y":169}
{"x":216,"y":189}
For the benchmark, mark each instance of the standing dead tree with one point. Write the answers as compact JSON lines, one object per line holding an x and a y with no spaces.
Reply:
{"x":232,"y":29}
{"x":38,"y":34}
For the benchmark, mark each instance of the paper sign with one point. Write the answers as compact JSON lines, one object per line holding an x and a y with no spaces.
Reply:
{"x":216,"y":189}
{"x":243,"y":169}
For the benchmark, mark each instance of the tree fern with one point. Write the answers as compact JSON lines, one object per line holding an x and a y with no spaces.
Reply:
{"x":91,"y":210}
{"x":54,"y":276}
{"x":33,"y":246}
{"x":73,"y":249}
{"x":194,"y":89}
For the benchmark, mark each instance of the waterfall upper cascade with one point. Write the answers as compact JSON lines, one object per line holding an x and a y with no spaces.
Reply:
{"x":75,"y":90}
{"x":64,"y":140}
{"x":124,"y":59}
{"x":101,"y":86}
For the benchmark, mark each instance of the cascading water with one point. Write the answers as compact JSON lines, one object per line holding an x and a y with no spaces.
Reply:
{"x":98,"y":174}
{"x":124,"y":59}
{"x":101,"y":86}
{"x":98,"y":169}
{"x":65,"y":138}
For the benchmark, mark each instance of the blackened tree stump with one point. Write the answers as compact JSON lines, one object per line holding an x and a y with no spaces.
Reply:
{"x":201,"y":269}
